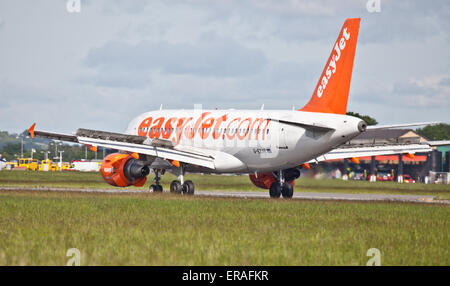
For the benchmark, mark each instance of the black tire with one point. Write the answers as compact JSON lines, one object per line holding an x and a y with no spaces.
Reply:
{"x":176,"y":187}
{"x":275,"y":190}
{"x":188,"y":187}
{"x":156,"y":188}
{"x":287,"y":190}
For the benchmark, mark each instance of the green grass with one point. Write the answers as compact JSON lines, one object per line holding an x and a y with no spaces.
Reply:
{"x":37,"y":228}
{"x":216,"y":182}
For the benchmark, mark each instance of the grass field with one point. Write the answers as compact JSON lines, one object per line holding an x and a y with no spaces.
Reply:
{"x":37,"y":228}
{"x":215,"y":182}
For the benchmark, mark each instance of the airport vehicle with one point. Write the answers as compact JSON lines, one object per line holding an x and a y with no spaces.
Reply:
{"x":358,"y":176}
{"x":47,"y":165}
{"x":269,"y":145}
{"x":27,"y":163}
{"x":384,"y":176}
{"x":65,"y":166}
{"x":84,"y":166}
{"x":11,"y":165}
{"x":407,"y":179}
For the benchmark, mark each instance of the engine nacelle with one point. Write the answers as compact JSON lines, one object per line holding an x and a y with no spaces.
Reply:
{"x":264,"y":180}
{"x":123,"y":170}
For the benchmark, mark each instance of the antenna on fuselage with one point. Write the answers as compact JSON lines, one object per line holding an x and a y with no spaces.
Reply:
{"x":160,"y":107}
{"x":262,"y":106}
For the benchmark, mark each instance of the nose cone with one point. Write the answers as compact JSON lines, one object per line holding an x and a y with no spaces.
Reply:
{"x":362,"y":126}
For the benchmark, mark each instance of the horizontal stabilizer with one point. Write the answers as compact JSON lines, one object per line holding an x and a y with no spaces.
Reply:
{"x":375,"y":127}
{"x":309,"y":126}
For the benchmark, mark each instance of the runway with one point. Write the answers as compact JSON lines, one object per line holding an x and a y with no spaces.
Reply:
{"x":330,"y":196}
{"x":262,"y":195}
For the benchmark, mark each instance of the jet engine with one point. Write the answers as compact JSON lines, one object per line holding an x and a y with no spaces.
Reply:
{"x":123,"y":170}
{"x":264,"y":180}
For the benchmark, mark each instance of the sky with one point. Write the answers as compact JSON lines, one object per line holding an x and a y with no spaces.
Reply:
{"x":100,"y":66}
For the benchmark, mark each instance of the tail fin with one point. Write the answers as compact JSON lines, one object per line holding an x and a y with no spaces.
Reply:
{"x":331,"y":93}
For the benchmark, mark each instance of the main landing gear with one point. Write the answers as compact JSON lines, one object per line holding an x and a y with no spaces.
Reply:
{"x":182,"y":188}
{"x":277,"y":189}
{"x":281,"y":187}
{"x":178,"y":186}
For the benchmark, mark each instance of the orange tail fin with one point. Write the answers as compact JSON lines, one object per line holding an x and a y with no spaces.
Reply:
{"x":331,"y":93}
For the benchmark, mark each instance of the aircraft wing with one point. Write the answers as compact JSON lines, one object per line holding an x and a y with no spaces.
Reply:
{"x":131,"y":143}
{"x":354,"y":152}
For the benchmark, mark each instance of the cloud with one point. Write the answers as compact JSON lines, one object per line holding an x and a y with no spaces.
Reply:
{"x":210,"y":57}
{"x":121,"y":64}
{"x":115,"y":59}
{"x":445,"y":81}
{"x":428,"y":92}
{"x":115,"y":79}
{"x":432,"y":92}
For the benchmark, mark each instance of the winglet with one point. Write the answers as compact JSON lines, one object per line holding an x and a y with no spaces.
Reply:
{"x":175,"y":163}
{"x":31,"y":130}
{"x":91,"y":147}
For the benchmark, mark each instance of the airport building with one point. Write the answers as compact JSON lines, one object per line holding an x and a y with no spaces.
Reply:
{"x":421,"y":167}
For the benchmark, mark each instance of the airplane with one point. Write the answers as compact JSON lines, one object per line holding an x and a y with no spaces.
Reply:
{"x":2,"y":162}
{"x":269,"y":145}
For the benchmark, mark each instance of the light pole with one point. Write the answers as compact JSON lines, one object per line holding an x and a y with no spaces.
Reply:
{"x":56,"y":147}
{"x":60,"y":160}
{"x":46,"y":154}
{"x":21,"y":145}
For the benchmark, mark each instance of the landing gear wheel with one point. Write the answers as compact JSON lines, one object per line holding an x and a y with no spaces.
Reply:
{"x":188,"y":187}
{"x":287,"y":190}
{"x":156,"y":188}
{"x":275,"y":190}
{"x":176,"y":187}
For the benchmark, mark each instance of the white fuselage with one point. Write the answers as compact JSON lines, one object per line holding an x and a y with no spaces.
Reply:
{"x":248,"y":141}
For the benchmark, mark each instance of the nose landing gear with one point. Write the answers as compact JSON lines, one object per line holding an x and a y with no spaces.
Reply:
{"x":156,"y":187}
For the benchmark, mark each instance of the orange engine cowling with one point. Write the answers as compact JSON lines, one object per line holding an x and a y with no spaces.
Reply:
{"x":123,"y":170}
{"x":264,"y":180}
